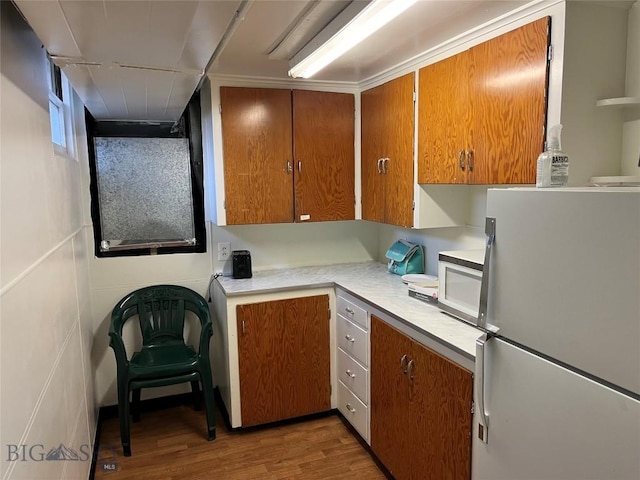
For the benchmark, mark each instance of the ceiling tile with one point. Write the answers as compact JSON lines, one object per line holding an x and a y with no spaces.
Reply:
{"x":48,"y":21}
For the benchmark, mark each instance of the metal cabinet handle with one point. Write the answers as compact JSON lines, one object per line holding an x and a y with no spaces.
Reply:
{"x":410,"y":369}
{"x":350,"y":408}
{"x":470,"y":160}
{"x":461,"y":160}
{"x":350,"y":338}
{"x":384,"y":165}
{"x":243,"y":327}
{"x":300,"y":166}
{"x":379,"y":165}
{"x":289,"y":167}
{"x":483,"y":424}
{"x":402,"y":362}
{"x":490,"y":231}
{"x":350,"y":373}
{"x":349,"y":310}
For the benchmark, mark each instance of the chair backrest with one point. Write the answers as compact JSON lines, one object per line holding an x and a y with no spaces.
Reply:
{"x":161,"y":312}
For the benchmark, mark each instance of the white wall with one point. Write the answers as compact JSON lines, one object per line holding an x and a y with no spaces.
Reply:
{"x":301,"y":244}
{"x":631,"y":127}
{"x":271,"y":246}
{"x":434,"y":240}
{"x":594,"y":68}
{"x":113,"y":278}
{"x":46,"y":391}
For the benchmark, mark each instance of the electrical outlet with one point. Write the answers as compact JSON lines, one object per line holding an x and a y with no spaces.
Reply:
{"x":224,"y":250}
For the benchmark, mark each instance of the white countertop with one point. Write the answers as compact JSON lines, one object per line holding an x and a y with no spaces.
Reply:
{"x":372,"y":283}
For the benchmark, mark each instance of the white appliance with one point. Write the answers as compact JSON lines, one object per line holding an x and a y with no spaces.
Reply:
{"x":557,"y":381}
{"x":459,"y":280}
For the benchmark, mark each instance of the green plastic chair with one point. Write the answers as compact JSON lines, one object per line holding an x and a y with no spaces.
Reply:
{"x":164,"y":359}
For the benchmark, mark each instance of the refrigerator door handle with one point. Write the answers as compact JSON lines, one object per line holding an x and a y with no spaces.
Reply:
{"x":490,"y":230}
{"x":483,"y":424}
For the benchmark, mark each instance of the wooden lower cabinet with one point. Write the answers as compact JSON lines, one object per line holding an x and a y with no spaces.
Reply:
{"x":284,"y":359}
{"x":420,"y":408}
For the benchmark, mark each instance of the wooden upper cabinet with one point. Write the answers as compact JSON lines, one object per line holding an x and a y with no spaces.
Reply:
{"x":398,"y":168}
{"x":257,"y":137}
{"x":372,"y":135}
{"x":482,"y":113}
{"x":444,"y":120}
{"x":508,"y":86}
{"x":280,"y":146}
{"x":323,"y":153}
{"x":284,"y":359}
{"x":387,"y":115}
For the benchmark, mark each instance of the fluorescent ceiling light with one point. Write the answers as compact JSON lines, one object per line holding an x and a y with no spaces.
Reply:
{"x":377,"y":13}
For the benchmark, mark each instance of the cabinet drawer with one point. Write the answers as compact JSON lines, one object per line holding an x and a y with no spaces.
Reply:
{"x":353,"y":410}
{"x":353,"y":375}
{"x":353,"y":340}
{"x":352,"y":312}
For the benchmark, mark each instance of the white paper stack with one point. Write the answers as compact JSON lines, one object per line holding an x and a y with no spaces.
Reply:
{"x":422,"y":287}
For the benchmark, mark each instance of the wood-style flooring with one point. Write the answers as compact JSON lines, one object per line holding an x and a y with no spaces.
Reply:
{"x":170,"y":444}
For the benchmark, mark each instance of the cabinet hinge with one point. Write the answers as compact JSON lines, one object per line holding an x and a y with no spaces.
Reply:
{"x":413,"y":206}
{"x":220,"y":108}
{"x":330,"y":389}
{"x":224,"y":204}
{"x":473,"y":408}
{"x":550,"y":53}
{"x":415,"y":97}
{"x":329,"y":313}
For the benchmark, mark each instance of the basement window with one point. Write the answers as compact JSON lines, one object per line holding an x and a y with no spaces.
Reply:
{"x":60,"y":111}
{"x":146,"y":185}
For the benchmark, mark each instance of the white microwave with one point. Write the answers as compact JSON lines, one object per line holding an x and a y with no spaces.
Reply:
{"x":459,"y":281}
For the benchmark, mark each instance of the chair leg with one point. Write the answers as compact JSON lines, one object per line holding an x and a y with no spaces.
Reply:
{"x":195,"y":389}
{"x":135,"y":404}
{"x":123,"y":412}
{"x":209,"y":401}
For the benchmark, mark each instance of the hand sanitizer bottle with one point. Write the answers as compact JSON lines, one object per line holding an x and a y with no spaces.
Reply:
{"x":552,"y":169}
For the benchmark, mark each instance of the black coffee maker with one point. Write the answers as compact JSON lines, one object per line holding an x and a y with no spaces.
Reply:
{"x":241,"y":263}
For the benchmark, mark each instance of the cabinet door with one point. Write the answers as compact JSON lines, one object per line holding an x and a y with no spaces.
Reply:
{"x":283,"y":354}
{"x":508,"y":83}
{"x":323,"y":146}
{"x":399,"y":128}
{"x":373,"y":140}
{"x":444,"y":120}
{"x":440,"y":404}
{"x":257,"y":136}
{"x":391,"y":421}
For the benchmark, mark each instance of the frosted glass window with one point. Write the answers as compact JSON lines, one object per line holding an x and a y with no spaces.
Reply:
{"x":144,"y":189}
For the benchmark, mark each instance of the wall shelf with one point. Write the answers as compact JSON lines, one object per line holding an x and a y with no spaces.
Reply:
{"x":619,"y":102}
{"x":616,"y":181}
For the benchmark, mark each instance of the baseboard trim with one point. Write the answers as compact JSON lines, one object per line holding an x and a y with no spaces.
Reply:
{"x":149,"y":405}
{"x":365,"y":445}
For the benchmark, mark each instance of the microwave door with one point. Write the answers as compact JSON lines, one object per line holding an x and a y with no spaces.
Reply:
{"x":459,"y":291}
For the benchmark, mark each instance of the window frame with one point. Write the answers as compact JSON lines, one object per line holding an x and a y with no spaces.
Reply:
{"x":192,"y":123}
{"x":60,"y":98}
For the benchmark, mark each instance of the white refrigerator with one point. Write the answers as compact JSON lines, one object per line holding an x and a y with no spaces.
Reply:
{"x":557,"y":380}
